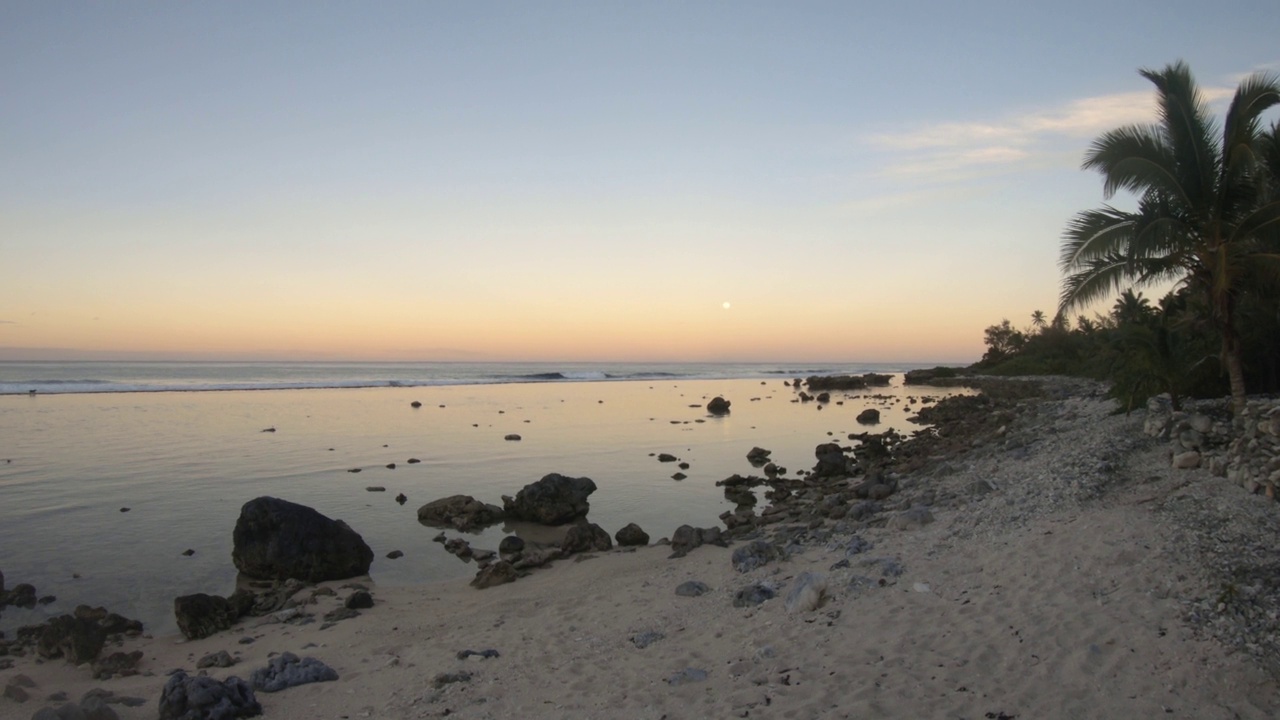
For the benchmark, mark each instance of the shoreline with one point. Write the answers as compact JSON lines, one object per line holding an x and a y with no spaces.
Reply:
{"x":1054,"y":581}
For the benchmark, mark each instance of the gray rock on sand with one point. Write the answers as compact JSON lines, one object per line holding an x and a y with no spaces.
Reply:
{"x":554,"y":500}
{"x":499,"y":573}
{"x":688,"y":675}
{"x":287,"y":670}
{"x":755,"y":554}
{"x":687,"y":537}
{"x":754,"y":594}
{"x":913,"y":519}
{"x":631,"y":535}
{"x":92,"y":707}
{"x":220,"y":659}
{"x":276,"y":539}
{"x":806,"y":594}
{"x":204,"y":698}
{"x":692,"y":588}
{"x":461,"y":512}
{"x":645,"y":639}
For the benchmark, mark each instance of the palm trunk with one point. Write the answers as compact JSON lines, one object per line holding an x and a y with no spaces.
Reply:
{"x":1235,"y":371}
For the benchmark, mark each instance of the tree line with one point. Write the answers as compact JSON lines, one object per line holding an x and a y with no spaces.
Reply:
{"x":1206,"y":218}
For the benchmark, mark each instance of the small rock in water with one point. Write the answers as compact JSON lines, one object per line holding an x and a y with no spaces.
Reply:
{"x":415,"y":404}
{"x":391,"y":466}
{"x":375,"y":488}
{"x":125,"y":509}
{"x":270,"y":429}
{"x":188,"y":552}
{"x":354,"y":470}
{"x":401,"y":498}
{"x":512,"y":437}
{"x":413,"y":461}
{"x":394,"y":554}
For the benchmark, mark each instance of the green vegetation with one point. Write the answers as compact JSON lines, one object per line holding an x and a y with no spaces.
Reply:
{"x":1207,"y":219}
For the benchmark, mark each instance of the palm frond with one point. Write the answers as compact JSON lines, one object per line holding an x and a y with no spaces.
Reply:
{"x":1134,"y":158}
{"x":1094,"y":233}
{"x":1188,"y":128}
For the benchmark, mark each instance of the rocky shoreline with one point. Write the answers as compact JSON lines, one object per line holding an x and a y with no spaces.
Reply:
{"x":1022,"y":464}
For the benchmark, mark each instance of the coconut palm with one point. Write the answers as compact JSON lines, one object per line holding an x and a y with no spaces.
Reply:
{"x":1131,"y":307}
{"x":1038,"y":321}
{"x":1202,"y":207}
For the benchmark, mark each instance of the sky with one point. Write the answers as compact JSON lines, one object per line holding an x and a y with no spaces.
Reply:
{"x":611,"y":181}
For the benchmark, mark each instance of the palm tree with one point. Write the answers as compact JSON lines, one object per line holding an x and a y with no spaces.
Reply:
{"x":1131,"y":307}
{"x":1202,"y":206}
{"x":1037,"y":320}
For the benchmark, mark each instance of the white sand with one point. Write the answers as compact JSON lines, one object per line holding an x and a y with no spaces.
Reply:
{"x":1071,"y":612}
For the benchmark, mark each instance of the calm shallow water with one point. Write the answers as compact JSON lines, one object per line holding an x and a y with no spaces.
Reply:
{"x":184,"y":463}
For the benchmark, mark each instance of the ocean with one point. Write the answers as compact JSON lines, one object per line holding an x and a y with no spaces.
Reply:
{"x":111,"y":472}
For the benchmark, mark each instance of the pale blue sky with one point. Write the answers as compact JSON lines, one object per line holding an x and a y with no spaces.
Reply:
{"x":563,"y":180}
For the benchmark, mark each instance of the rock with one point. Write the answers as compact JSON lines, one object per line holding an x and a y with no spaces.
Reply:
{"x":692,"y":588}
{"x":631,"y":535}
{"x":201,"y":615}
{"x":499,"y":573}
{"x":77,"y":638}
{"x":358,"y":600}
{"x":645,"y":639}
{"x":831,"y":460}
{"x":688,"y":675}
{"x":915,"y":518}
{"x":461,"y":512}
{"x":513,"y":437}
{"x":585,"y":537}
{"x":667,"y":458}
{"x":482,"y":654}
{"x":687,"y":537}
{"x":117,"y":664}
{"x":287,"y":670}
{"x":204,"y":698}
{"x":275,"y":540}
{"x":415,"y":404}
{"x":754,"y":594}
{"x":679,"y":476}
{"x":220,"y":659}
{"x":510,"y":544}
{"x":806,"y":594}
{"x":870,"y":416}
{"x":443,"y":679}
{"x":755,"y":554}
{"x":553,"y":500}
{"x":395,"y":554}
{"x":718,"y":406}
{"x":758,"y":456}
{"x":401,"y":498}
{"x":375,"y":488}
{"x":1186,"y":460}
{"x":23,"y":595}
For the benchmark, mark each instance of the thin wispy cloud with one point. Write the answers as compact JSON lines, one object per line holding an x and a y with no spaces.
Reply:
{"x":953,"y":151}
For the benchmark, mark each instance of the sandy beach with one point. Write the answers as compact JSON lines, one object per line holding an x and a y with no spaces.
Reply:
{"x":1055,"y":580}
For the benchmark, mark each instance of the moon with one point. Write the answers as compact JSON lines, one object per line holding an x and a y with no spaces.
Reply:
{"x":726,"y":305}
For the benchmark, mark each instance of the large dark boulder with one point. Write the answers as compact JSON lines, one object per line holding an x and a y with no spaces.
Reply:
{"x":275,"y":540}
{"x":553,"y":500}
{"x":461,"y":512}
{"x":204,"y":698}
{"x":718,"y":406}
